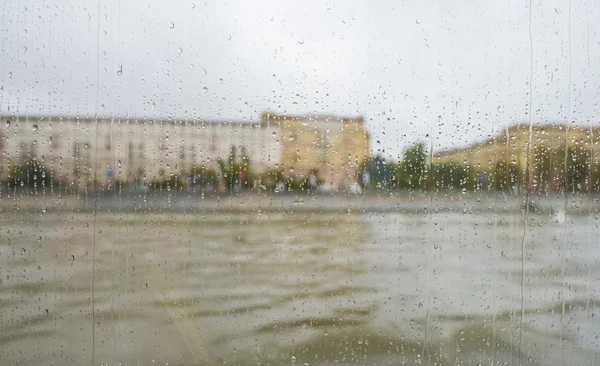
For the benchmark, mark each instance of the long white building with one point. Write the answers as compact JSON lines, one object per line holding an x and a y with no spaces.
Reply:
{"x":127,"y":149}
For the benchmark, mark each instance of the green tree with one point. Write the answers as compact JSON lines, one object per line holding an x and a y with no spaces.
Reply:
{"x":376,"y":169}
{"x":30,"y":174}
{"x":396,"y":176}
{"x":578,"y":167}
{"x":453,"y":177}
{"x":236,"y":174}
{"x":246,"y":175}
{"x":595,"y":176}
{"x":558,"y":169}
{"x":505,"y":176}
{"x":415,"y":166}
{"x":542,"y":168}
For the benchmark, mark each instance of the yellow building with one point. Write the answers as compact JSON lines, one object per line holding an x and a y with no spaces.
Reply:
{"x":512,"y":147}
{"x":334,"y":146}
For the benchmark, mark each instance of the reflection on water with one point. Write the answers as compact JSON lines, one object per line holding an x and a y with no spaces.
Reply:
{"x":297,"y":288}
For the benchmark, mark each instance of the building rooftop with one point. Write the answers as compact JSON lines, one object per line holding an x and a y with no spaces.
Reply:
{"x":265,"y":117}
{"x":519,"y":129}
{"x":310,"y":117}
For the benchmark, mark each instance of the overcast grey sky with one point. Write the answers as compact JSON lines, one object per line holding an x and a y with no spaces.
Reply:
{"x":455,"y":70}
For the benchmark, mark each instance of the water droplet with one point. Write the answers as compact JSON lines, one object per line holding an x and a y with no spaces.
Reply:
{"x":35,"y":127}
{"x":417,"y":21}
{"x":220,"y":80}
{"x":180,"y":50}
{"x":47,"y":311}
{"x":72,"y":258}
{"x":24,"y":48}
{"x":193,"y":5}
{"x":23,"y":251}
{"x":171,"y":25}
{"x":146,"y":285}
{"x":301,"y":41}
{"x":39,"y":268}
{"x":293,"y":358}
{"x":229,"y":38}
{"x":7,"y":123}
{"x":205,"y":89}
{"x":204,"y":72}
{"x":120,"y":70}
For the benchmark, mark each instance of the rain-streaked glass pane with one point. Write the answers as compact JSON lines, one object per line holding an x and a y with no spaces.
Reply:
{"x":299,"y":183}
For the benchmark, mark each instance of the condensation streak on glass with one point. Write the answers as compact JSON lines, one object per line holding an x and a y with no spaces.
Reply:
{"x":208,"y":183}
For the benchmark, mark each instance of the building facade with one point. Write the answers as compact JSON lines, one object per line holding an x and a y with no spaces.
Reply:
{"x":333,"y":146}
{"x":512,"y":147}
{"x":79,"y":150}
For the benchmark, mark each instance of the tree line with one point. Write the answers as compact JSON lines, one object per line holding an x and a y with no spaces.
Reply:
{"x":235,"y":173}
{"x":552,"y":168}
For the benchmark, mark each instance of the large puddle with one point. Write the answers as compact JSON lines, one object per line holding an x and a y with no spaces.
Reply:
{"x":297,"y":289}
